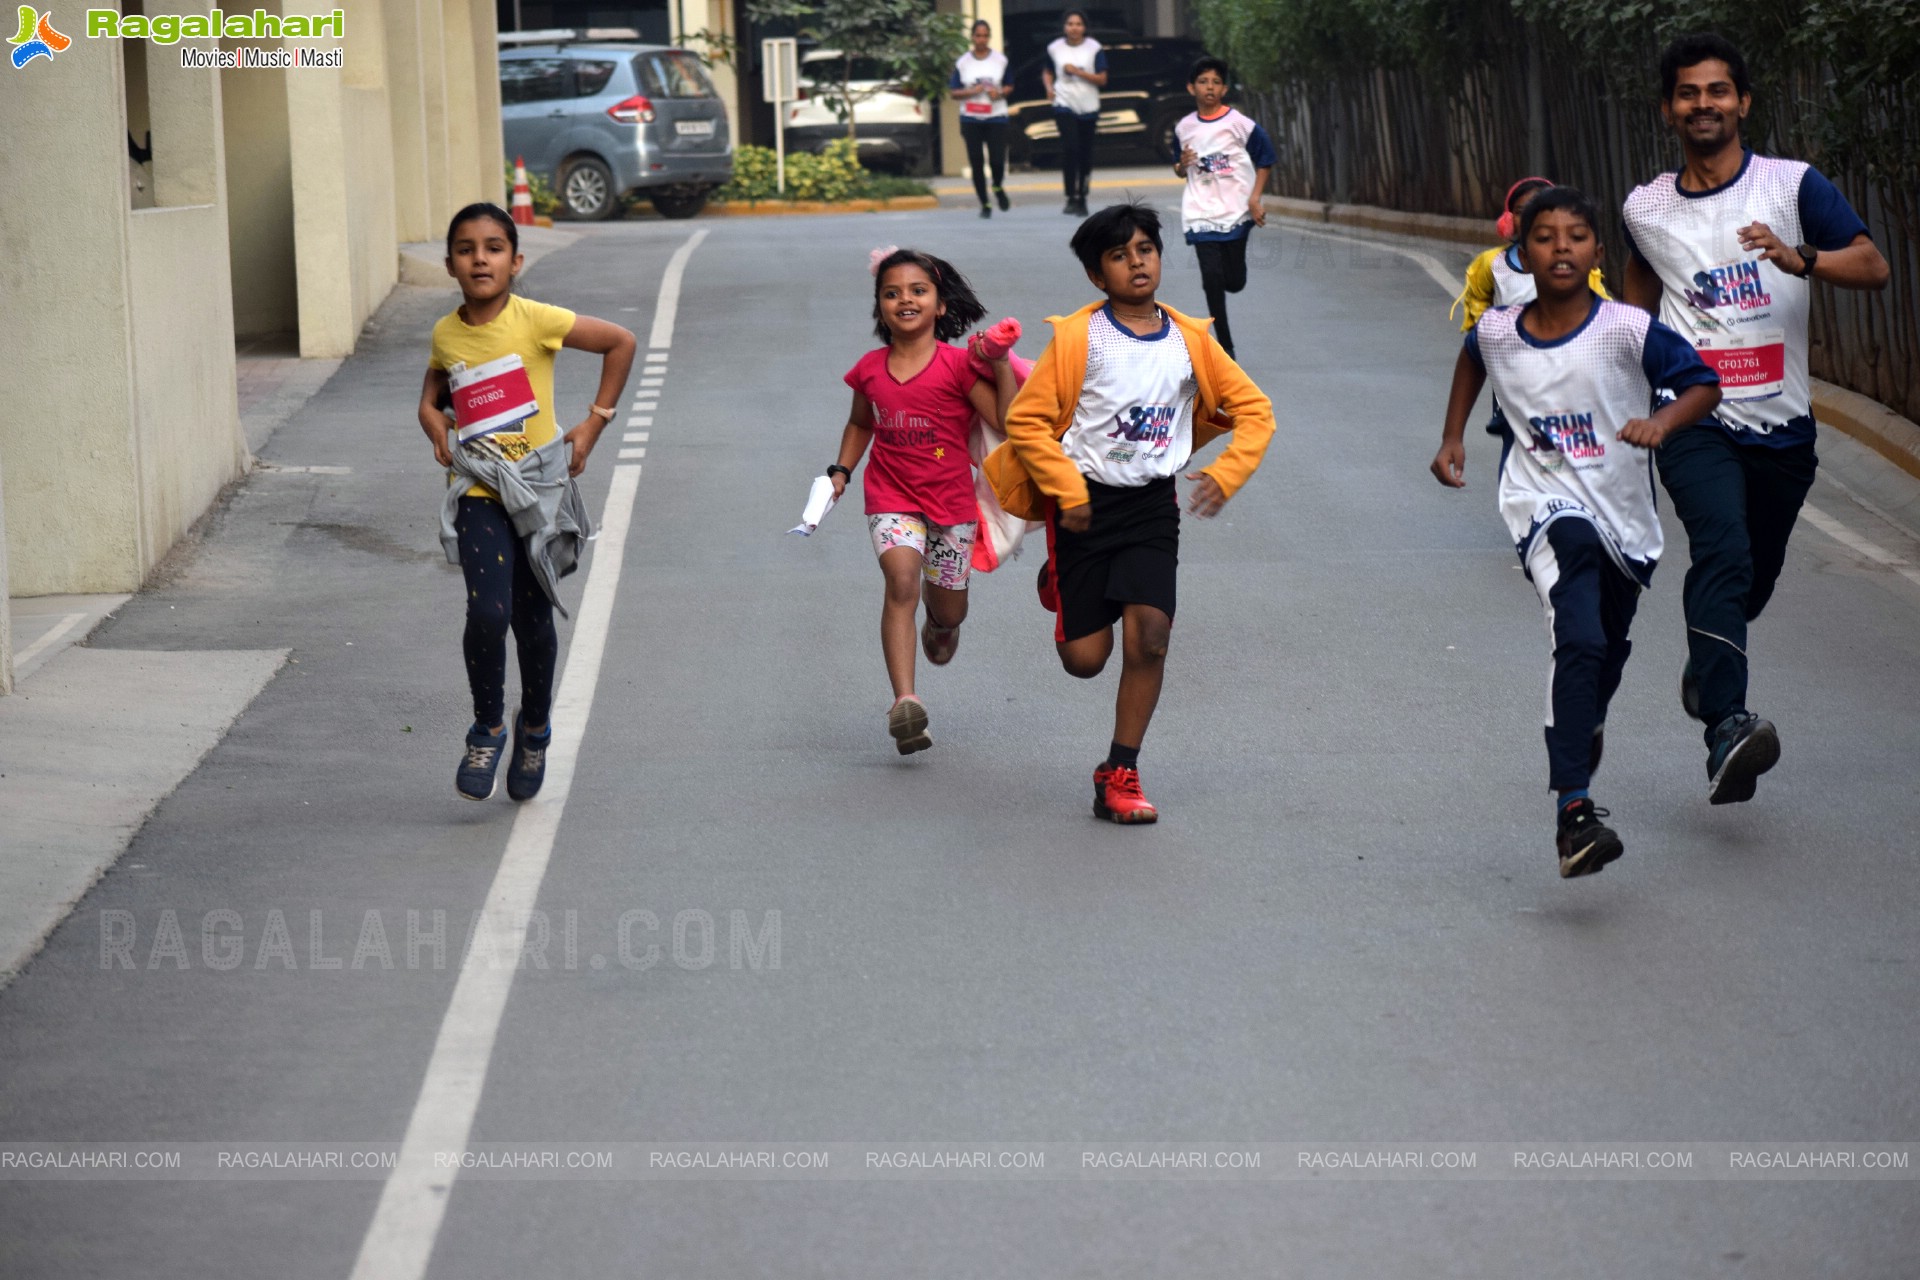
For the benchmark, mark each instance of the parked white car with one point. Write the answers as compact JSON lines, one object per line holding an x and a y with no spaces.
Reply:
{"x":893,"y":130}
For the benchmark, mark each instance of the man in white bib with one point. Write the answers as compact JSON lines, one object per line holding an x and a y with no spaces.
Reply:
{"x":1724,"y":250}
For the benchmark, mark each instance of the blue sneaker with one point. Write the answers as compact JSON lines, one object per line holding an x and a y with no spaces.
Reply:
{"x":528,"y":768}
{"x":474,"y":779}
{"x":1744,"y":747}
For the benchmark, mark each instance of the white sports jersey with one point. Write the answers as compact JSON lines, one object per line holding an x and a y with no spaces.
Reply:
{"x":1747,"y":318}
{"x":1134,"y":421}
{"x":1231,"y":149}
{"x":1512,"y":287}
{"x":1566,"y":402}
{"x":1071,"y":93}
{"x":968,"y":71}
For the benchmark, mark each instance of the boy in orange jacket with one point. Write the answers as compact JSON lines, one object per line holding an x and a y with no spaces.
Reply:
{"x":1115,"y":406}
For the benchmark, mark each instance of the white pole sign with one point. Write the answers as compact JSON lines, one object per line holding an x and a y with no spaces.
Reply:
{"x":779,"y":84}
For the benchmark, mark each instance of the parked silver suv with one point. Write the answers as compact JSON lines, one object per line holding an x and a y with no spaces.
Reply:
{"x":600,"y":120}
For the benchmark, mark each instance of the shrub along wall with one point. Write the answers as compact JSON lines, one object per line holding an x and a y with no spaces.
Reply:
{"x":1436,"y":106}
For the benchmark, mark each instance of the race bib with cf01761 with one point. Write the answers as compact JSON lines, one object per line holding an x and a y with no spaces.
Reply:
{"x":1751,"y":365}
{"x":491,"y":397}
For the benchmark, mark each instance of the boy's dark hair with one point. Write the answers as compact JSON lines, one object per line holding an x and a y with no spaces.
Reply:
{"x":979,"y":23}
{"x":1563,"y":200}
{"x":1112,"y":227}
{"x":1209,"y":63}
{"x":1694,"y":49}
{"x":1075,"y":13}
{"x":482,"y":209}
{"x":963,"y":309}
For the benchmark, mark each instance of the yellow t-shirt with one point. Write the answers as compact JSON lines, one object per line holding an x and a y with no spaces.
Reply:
{"x":531,"y":330}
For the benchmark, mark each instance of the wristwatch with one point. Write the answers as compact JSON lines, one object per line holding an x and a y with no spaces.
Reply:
{"x":845,"y":471}
{"x":1811,"y":255}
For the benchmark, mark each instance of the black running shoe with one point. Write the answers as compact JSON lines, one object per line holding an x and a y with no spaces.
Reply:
{"x":528,"y":768}
{"x":986,"y":211}
{"x":1585,"y":843}
{"x":479,"y":762}
{"x":1690,"y":692}
{"x":1000,"y":195}
{"x":1744,"y":747}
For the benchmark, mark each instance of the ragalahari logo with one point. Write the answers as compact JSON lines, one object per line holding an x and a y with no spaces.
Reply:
{"x":37,"y":38}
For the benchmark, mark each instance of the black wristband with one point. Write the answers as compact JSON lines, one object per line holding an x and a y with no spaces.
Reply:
{"x":845,"y":471}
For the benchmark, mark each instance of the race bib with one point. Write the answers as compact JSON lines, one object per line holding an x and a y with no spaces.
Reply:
{"x":492,"y":397}
{"x":978,"y":106}
{"x":1752,"y":365}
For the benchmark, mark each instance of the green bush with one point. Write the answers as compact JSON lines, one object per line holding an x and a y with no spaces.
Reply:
{"x":832,"y":176}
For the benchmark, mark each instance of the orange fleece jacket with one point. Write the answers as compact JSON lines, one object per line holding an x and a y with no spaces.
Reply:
{"x":1031,"y":468}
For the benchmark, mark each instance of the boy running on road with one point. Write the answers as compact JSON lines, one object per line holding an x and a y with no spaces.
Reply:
{"x":1094,"y":440}
{"x":1576,"y":375}
{"x":1225,"y":158}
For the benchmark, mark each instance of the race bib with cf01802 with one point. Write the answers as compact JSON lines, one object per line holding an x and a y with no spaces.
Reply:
{"x":1752,"y":365}
{"x":491,"y":397}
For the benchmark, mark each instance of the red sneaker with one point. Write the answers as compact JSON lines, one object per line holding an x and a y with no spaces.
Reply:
{"x":1049,"y":587}
{"x":1117,"y":796}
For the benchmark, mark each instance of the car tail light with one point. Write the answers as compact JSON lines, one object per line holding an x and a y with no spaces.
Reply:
{"x":635,"y":110}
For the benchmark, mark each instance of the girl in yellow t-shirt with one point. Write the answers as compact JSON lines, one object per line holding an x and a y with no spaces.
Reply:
{"x":491,"y":323}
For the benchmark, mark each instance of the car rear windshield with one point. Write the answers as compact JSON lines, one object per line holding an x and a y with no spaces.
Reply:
{"x":673,"y":75}
{"x":547,"y":79}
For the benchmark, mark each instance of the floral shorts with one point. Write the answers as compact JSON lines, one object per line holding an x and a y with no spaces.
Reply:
{"x":946,"y":548}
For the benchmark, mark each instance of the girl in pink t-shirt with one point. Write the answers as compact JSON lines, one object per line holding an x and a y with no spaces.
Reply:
{"x":914,"y":401}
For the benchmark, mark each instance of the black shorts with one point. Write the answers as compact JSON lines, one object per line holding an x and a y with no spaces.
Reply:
{"x":1130,"y":554}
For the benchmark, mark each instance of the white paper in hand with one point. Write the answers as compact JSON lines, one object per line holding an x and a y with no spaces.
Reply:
{"x":820,"y":500}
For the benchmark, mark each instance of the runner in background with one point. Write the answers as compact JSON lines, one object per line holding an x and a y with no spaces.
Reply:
{"x":1724,"y":250}
{"x":979,"y":85}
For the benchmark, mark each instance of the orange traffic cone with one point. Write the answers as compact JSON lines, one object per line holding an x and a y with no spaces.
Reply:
{"x":522,"y":195}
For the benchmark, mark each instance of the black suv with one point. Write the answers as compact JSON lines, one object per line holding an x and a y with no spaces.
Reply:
{"x":1145,"y":96}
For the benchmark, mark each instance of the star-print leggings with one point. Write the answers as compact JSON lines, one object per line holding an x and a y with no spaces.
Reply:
{"x":502,"y":591}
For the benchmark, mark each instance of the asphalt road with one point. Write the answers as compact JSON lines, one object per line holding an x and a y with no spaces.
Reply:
{"x":1347,"y":927}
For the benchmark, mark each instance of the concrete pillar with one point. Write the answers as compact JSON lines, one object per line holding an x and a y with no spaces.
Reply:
{"x":322,"y":249}
{"x":489,"y":139}
{"x":184,"y":106}
{"x":953,"y":151}
{"x":433,"y":101}
{"x":66,"y":326}
{"x":413,"y":210}
{"x":466,"y":174}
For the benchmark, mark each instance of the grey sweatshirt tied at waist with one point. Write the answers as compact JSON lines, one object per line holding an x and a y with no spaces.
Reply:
{"x":541,"y":499}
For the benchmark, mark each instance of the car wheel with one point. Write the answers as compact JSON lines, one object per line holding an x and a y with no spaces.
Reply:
{"x":586,"y":189}
{"x":678,"y":202}
{"x":1161,"y":136}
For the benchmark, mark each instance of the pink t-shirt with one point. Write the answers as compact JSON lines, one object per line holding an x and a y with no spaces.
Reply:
{"x":919,"y":457}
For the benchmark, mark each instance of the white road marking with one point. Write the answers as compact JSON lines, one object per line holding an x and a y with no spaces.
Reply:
{"x":1445,"y":279}
{"x":1853,"y":541}
{"x":640,"y":420}
{"x":311,"y":471}
{"x":669,"y":309}
{"x":66,"y":623}
{"x":627,"y":455}
{"x":635,"y":437}
{"x":653,"y":382}
{"x":413,"y":1203}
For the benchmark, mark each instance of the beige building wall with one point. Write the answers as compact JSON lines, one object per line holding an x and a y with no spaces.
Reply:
{"x":119,"y":322}
{"x":65,"y":448}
